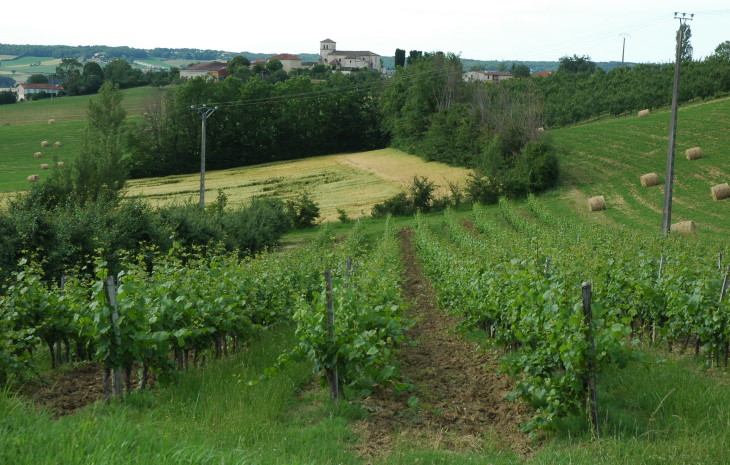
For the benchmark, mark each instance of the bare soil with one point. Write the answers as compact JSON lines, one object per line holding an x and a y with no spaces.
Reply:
{"x":68,"y":389}
{"x":461,"y":397}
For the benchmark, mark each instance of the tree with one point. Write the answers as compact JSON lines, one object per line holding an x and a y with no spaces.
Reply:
{"x":8,"y":96}
{"x":37,"y":79}
{"x":274,"y":65}
{"x":686,"y":47}
{"x":93,"y":77}
{"x":400,"y":57}
{"x":6,"y":81}
{"x":237,"y":64}
{"x":413,"y":56}
{"x":521,"y":71}
{"x":69,"y":68}
{"x":576,"y":64}
{"x":120,"y":72}
{"x":722,"y":51}
{"x":98,"y":171}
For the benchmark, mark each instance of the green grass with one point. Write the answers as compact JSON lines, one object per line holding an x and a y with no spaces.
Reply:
{"x":24,"y":125}
{"x":608,"y":157}
{"x":19,"y":143}
{"x":207,"y":416}
{"x":69,"y":108}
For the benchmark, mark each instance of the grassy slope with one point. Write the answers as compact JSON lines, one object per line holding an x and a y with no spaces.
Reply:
{"x":608,"y":157}
{"x":24,"y":125}
{"x":653,"y":414}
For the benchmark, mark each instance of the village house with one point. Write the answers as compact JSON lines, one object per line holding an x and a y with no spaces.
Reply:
{"x":346,"y":59}
{"x":24,"y":90}
{"x":214,"y":69}
{"x":489,"y":76}
{"x":289,"y":61}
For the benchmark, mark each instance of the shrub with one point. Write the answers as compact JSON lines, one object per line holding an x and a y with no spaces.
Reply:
{"x":481,"y":189}
{"x":303,"y":211}
{"x":192,"y":226}
{"x":257,"y":226}
{"x":342,"y":216}
{"x":421,"y":193}
{"x":398,"y":205}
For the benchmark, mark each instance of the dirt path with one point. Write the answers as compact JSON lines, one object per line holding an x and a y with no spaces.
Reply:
{"x":461,"y":397}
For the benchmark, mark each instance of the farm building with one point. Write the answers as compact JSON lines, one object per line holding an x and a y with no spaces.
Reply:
{"x":24,"y":89}
{"x":290,"y":62}
{"x":345,"y":59}
{"x":214,"y":69}
{"x":490,"y":76}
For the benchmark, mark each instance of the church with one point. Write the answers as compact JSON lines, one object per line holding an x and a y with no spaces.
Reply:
{"x":345,"y":59}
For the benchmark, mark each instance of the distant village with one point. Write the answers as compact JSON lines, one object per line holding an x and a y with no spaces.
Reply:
{"x":345,"y":61}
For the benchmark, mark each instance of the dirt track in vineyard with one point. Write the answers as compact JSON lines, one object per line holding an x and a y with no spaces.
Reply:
{"x":461,"y":397}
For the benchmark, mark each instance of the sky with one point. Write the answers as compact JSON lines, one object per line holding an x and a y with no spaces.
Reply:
{"x":513,"y":30}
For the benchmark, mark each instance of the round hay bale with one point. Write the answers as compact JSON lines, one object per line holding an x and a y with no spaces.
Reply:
{"x":597,"y":203}
{"x":60,"y":163}
{"x":541,"y":129}
{"x":57,"y":144}
{"x":51,"y":121}
{"x":44,"y":166}
{"x":33,"y":178}
{"x":643,"y":113}
{"x":38,"y":155}
{"x":721,"y":192}
{"x":693,"y":154}
{"x":649,"y":179}
{"x":684,"y":227}
{"x":44,"y":143}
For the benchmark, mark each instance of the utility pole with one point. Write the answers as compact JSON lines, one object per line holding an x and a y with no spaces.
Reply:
{"x":204,"y":113}
{"x":623,"y":35}
{"x":669,"y":177}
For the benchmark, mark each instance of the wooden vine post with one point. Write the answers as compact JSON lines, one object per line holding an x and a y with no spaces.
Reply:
{"x":590,"y":380}
{"x":110,"y":288}
{"x":723,"y":293}
{"x":332,"y":371}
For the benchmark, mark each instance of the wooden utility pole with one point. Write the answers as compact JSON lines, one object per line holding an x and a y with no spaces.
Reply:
{"x":669,"y":178}
{"x":623,"y":35}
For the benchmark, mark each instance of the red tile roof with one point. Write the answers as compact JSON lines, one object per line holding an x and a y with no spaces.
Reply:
{"x":40,"y":86}
{"x":544,"y":73}
{"x":285,"y":56}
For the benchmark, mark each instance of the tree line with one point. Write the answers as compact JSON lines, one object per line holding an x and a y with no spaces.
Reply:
{"x":89,"y":51}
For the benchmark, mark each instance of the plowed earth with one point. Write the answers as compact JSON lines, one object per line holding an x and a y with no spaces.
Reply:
{"x":461,"y":397}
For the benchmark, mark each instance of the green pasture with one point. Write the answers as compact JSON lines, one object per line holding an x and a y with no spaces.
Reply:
{"x":18,"y":144}
{"x":135,"y":101}
{"x":20,"y":68}
{"x":608,"y":157}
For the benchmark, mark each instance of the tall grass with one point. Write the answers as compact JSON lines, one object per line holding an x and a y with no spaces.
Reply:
{"x":207,"y":416}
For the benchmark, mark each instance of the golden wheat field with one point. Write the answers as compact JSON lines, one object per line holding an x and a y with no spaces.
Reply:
{"x":352,"y":182}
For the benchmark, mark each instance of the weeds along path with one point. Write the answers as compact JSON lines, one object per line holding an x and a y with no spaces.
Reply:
{"x":461,"y":404}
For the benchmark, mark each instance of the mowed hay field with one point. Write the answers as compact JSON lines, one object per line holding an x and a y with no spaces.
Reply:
{"x":351,"y":182}
{"x":609,"y":157}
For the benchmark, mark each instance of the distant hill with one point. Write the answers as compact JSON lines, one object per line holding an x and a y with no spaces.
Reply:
{"x":181,"y":57}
